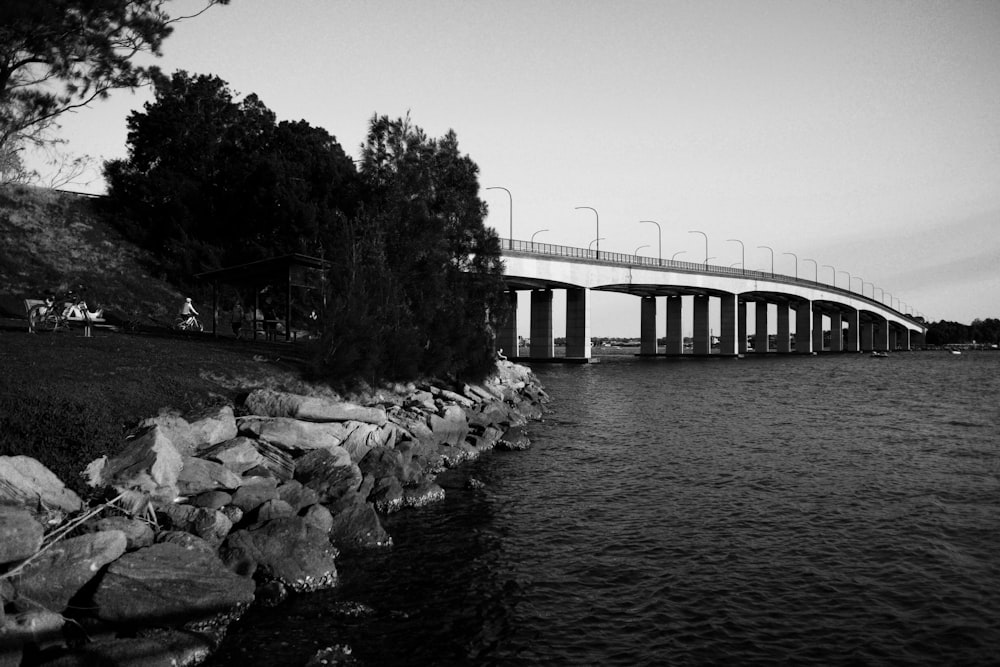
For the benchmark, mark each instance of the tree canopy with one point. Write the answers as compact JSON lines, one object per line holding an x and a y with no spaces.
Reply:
{"x":57,"y":55}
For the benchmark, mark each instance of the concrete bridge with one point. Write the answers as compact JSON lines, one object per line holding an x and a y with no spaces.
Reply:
{"x":865,"y":323}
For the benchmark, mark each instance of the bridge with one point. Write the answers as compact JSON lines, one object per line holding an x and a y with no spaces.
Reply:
{"x":865,"y":324}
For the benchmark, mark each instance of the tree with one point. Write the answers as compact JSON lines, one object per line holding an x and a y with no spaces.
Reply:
{"x":58,"y":55}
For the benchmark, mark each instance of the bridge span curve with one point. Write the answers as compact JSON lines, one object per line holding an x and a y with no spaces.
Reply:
{"x":865,"y":323}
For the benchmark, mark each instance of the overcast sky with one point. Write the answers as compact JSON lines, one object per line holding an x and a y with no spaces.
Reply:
{"x":862,"y":135}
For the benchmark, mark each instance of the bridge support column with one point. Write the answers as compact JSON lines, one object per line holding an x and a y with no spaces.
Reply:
{"x":760,"y":329}
{"x":817,"y":330}
{"x":853,"y":320}
{"x":741,"y":335}
{"x":507,"y":336}
{"x":675,"y":338}
{"x":916,"y":339}
{"x":893,"y":338}
{"x":542,"y":342}
{"x":867,"y":337}
{"x":880,"y":335}
{"x":702,"y":332}
{"x":647,"y":325}
{"x":728,"y":316}
{"x":784,"y":342}
{"x":836,"y":332}
{"x":803,"y":328}
{"x":577,"y":322}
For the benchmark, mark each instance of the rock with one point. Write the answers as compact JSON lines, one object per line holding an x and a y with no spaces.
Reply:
{"x":273,"y":509}
{"x":276,"y":461}
{"x":421,"y":399}
{"x":449,"y":395}
{"x":358,"y":527}
{"x":212,"y":499}
{"x":319,"y":516}
{"x":185,"y":540}
{"x":293,"y":435}
{"x":330,"y":476}
{"x":149,"y":463}
{"x":38,"y":626}
{"x":137,"y":533}
{"x":24,"y":481}
{"x":338,"y":655}
{"x":451,"y":427}
{"x":255,"y":492}
{"x":387,"y":496}
{"x":514,"y":439}
{"x":166,"y":648}
{"x":296,"y":495}
{"x":363,"y":437}
{"x":20,"y":535}
{"x":422,"y":494}
{"x":198,"y":431}
{"x":57,"y":574}
{"x":200,"y":475}
{"x":166,"y":584}
{"x":311,"y":408}
{"x":415,"y":425}
{"x":289,"y":550}
{"x":238,"y":454}
{"x":208,"y":524}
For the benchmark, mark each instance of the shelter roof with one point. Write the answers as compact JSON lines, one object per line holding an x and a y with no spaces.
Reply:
{"x":272,"y":268}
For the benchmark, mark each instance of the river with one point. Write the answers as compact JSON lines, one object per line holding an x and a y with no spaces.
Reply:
{"x":823,"y":510}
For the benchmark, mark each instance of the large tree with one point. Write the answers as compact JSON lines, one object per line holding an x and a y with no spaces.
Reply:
{"x":58,"y":55}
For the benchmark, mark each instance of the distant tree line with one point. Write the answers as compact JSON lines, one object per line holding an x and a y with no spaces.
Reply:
{"x":415,"y":287}
{"x":985,"y":332}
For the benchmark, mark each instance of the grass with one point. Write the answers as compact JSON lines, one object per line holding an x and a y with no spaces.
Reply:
{"x":66,"y":399}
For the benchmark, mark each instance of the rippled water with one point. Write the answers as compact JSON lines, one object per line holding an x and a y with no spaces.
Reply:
{"x":826,"y":510}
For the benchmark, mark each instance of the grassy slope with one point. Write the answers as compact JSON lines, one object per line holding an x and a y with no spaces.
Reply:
{"x":66,"y":399}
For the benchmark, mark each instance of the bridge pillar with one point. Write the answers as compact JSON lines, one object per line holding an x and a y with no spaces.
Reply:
{"x":741,"y":335}
{"x":760,"y":329}
{"x":542,"y":342}
{"x":916,"y":339}
{"x":577,"y":322}
{"x":803,"y":328}
{"x":836,"y":332}
{"x":867,"y":337}
{"x":728,"y":316}
{"x":675,"y":338}
{"x":880,"y":335}
{"x":853,"y":320}
{"x":817,"y":331}
{"x":784,"y":342}
{"x":647,"y":325}
{"x":893,"y":338}
{"x":507,"y":336}
{"x":702,"y":332}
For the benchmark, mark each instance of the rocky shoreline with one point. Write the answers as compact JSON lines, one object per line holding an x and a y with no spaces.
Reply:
{"x":203,"y":515}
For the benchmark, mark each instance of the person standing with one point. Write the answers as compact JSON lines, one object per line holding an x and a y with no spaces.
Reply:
{"x":237,"y":317}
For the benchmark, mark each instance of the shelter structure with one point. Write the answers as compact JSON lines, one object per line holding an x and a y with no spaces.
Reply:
{"x":284,"y":277}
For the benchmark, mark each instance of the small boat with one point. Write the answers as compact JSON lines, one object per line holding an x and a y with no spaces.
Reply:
{"x":956,"y":352}
{"x":879,"y":355}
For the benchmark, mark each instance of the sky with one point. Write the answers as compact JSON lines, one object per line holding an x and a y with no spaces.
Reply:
{"x":863,"y":135}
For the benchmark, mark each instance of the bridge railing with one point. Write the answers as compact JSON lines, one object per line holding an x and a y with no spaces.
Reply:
{"x":570,"y":252}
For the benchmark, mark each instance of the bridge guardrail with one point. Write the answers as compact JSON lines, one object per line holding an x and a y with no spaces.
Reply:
{"x":570,"y":252}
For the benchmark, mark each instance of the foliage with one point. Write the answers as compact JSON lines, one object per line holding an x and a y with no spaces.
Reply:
{"x":981,"y":331}
{"x":60,"y":55}
{"x":212,"y":182}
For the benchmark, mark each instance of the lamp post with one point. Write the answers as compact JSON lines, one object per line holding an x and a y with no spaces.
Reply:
{"x":882,"y":296}
{"x":886,"y":294}
{"x":863,"y":288}
{"x":636,"y":253}
{"x":848,"y":280}
{"x":510,"y":210}
{"x":833,"y":274}
{"x":796,"y":263}
{"x":593,"y":242}
{"x":706,"y":242}
{"x":767,"y":247}
{"x":659,"y":236}
{"x":860,"y":280}
{"x":597,"y":236}
{"x":743,"y":253}
{"x":537,"y":233}
{"x":815,"y":268}
{"x":679,"y":252}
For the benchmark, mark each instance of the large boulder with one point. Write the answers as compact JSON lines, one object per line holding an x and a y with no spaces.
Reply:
{"x":238,"y":454}
{"x":200,"y":475}
{"x":166,"y":584}
{"x":58,"y":573}
{"x":24,"y":481}
{"x":358,"y":527}
{"x":311,"y":408}
{"x":149,"y":463}
{"x":254,"y":492}
{"x":362,"y":437}
{"x":292,"y":434}
{"x":198,"y":431}
{"x":20,"y":535}
{"x":138,"y":533}
{"x":451,"y":426}
{"x":330,"y":476}
{"x":289,"y":550}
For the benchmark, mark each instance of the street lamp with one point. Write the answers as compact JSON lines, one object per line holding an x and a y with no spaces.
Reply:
{"x":863,"y":288}
{"x":537,"y":233}
{"x":743,"y":253}
{"x":815,"y":268}
{"x":767,"y":247}
{"x":679,"y":252}
{"x":848,"y":280}
{"x":593,"y":242}
{"x":796,"y":263}
{"x":886,"y":294}
{"x":833,"y":274}
{"x":636,"y":253}
{"x":659,"y":234}
{"x":882,"y":296}
{"x":510,"y":209}
{"x":706,"y":242}
{"x":860,"y":280}
{"x":597,"y":236}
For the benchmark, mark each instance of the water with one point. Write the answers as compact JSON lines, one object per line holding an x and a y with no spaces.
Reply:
{"x":827,"y":510}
